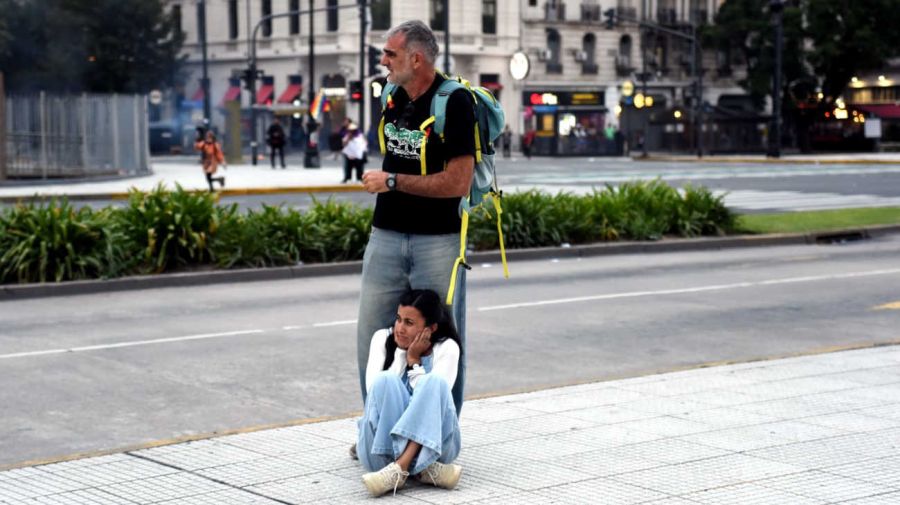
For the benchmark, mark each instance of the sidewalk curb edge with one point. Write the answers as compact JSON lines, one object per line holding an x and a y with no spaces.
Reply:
{"x":187,"y":279}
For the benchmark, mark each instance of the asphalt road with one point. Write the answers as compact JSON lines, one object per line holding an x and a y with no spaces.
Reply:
{"x":94,"y":372}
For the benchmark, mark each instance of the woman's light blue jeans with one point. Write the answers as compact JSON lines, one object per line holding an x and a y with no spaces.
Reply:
{"x":393,"y":264}
{"x":393,"y":417}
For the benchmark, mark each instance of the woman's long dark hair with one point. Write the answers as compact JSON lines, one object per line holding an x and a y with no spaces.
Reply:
{"x":432,"y":308}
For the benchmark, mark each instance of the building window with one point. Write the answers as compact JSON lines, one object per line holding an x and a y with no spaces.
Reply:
{"x":699,"y":12}
{"x":438,"y":17}
{"x":554,"y":46}
{"x":176,"y":17}
{"x":589,"y":54}
{"x":489,"y":16}
{"x":295,"y":18}
{"x":625,"y":50}
{"x":267,"y":11}
{"x":232,"y":19}
{"x":332,"y":15}
{"x":381,"y":14}
{"x":532,"y":3}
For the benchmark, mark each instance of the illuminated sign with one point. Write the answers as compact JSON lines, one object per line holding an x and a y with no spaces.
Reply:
{"x":585,"y":98}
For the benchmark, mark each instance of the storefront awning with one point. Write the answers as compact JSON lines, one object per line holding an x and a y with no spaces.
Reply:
{"x":291,"y":93}
{"x":492,"y":86}
{"x":265,"y":93}
{"x":233,"y":93}
{"x":884,"y":111}
{"x":198,"y":95}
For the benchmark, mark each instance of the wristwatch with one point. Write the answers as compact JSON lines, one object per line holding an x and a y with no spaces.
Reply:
{"x":391,"y":182}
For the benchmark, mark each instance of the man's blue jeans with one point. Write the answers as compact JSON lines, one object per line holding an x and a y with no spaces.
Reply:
{"x":393,"y":264}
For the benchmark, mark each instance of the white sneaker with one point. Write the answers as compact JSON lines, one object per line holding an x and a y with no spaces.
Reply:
{"x":382,"y":481}
{"x":441,"y":475}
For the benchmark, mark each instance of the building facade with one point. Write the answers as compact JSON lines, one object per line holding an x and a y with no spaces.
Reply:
{"x":572,"y":97}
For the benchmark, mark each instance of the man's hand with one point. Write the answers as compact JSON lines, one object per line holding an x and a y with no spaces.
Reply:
{"x":375,"y":181}
{"x":419,"y":345}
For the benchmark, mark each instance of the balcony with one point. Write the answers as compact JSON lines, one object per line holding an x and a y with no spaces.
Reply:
{"x":554,"y":67}
{"x":590,"y":13}
{"x":626,"y":10}
{"x":589,"y":69}
{"x":554,"y":11}
{"x":666,"y":16}
{"x":624,"y":67}
{"x":699,"y":16}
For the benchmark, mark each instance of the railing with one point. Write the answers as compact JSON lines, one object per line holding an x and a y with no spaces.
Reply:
{"x":76,"y":135}
{"x":590,"y":12}
{"x":589,"y":68}
{"x":554,"y":11}
{"x":623,"y":66}
{"x":666,"y":16}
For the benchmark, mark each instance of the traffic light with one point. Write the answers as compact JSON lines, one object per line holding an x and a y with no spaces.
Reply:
{"x":356,"y":91}
{"x":247,"y":74}
{"x":610,"y":15}
{"x":374,"y":60}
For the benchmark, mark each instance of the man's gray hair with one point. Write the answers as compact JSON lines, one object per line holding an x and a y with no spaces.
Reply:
{"x":419,"y":37}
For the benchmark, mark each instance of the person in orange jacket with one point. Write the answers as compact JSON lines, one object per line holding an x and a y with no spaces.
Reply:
{"x":212,"y":157}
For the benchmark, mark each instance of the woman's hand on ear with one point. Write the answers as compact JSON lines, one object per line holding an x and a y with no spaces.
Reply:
{"x":419,"y":346}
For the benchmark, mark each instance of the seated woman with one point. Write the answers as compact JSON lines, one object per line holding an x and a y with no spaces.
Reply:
{"x":409,"y":425}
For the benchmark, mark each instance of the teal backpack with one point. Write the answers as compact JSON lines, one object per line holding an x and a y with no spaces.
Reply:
{"x":489,"y":121}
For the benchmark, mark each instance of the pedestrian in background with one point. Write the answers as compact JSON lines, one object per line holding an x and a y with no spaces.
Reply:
{"x":212,"y":156}
{"x":355,"y":149}
{"x":409,"y":425}
{"x":507,"y":141}
{"x":276,"y":139}
{"x":527,"y":142}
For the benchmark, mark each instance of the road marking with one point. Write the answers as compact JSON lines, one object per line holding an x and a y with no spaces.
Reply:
{"x":699,"y":289}
{"x":888,"y":306}
{"x":334,"y":323}
{"x":130,"y":344}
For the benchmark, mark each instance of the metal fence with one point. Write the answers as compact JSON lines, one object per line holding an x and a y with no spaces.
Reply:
{"x":76,"y":136}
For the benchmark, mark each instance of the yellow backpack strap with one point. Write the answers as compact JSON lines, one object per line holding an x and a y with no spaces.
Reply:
{"x":496,"y":199}
{"x":381,"y":136}
{"x":461,"y":260}
{"x":422,"y":151}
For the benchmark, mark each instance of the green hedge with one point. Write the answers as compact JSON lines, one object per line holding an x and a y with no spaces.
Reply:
{"x":163,"y":231}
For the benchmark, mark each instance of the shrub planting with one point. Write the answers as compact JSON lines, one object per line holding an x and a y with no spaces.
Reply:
{"x":162,"y":231}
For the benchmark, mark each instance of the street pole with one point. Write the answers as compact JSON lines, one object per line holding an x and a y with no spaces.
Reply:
{"x":362,"y":65}
{"x":644,"y":91}
{"x":777,"y":8}
{"x":698,"y":68}
{"x":311,"y":154}
{"x":447,"y":37}
{"x":204,"y":81}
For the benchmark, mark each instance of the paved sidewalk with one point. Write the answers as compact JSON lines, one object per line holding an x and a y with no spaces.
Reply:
{"x":189,"y":175}
{"x":815,"y":429}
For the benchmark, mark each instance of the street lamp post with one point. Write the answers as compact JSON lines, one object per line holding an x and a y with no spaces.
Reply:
{"x":204,"y":81}
{"x":446,"y":37}
{"x":777,"y":9}
{"x":311,"y":154}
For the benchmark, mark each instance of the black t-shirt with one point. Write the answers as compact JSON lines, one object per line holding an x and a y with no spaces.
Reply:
{"x":406,"y":213}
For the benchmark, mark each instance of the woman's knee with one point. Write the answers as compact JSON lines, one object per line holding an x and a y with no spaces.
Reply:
{"x":432,"y":382}
{"x":386,"y":380}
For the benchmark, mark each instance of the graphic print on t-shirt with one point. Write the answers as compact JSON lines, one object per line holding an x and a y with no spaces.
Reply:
{"x":402,"y":142}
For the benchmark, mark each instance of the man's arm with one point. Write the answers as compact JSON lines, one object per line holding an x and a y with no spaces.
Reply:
{"x":454,"y":181}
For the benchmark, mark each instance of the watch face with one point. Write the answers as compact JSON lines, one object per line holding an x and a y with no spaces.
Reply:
{"x":391,"y":181}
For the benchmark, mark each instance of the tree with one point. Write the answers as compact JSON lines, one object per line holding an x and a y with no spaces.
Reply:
{"x":826,"y":42}
{"x":849,"y":37}
{"x":128,"y":46}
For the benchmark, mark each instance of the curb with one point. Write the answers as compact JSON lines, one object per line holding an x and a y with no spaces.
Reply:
{"x":185,"y":279}
{"x":345,"y":188}
{"x":781,"y":161}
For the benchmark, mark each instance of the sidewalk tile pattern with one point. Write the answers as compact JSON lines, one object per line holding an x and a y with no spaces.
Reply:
{"x":821,"y":429}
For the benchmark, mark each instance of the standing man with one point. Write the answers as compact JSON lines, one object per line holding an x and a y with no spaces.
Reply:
{"x":507,"y":141}
{"x":415,"y":236}
{"x":275,"y":138}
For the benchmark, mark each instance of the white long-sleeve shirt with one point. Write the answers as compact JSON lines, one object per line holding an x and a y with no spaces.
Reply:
{"x":445,"y":359}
